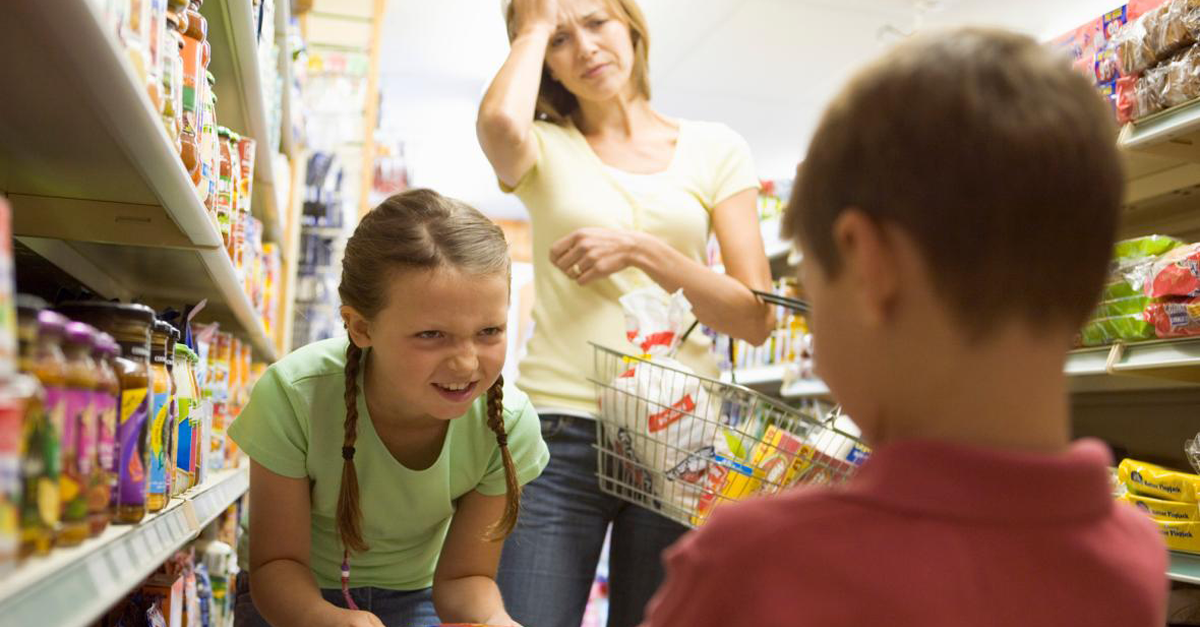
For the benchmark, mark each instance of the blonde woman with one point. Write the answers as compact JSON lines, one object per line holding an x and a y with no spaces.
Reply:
{"x":621,"y":196}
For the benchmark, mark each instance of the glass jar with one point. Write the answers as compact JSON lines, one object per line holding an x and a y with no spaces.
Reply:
{"x":78,"y":450}
{"x":130,"y":327}
{"x":162,"y":425}
{"x":172,"y":81}
{"x":39,"y":446}
{"x":11,"y":417}
{"x":224,"y":203}
{"x":185,"y":399}
{"x":156,"y":35}
{"x":194,"y":39}
{"x":209,"y":158}
{"x":50,"y":367}
{"x":108,"y":390}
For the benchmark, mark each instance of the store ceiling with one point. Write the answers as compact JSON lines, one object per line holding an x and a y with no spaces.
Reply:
{"x":765,"y":67}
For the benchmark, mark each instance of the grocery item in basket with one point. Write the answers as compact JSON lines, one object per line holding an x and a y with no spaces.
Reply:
{"x":670,"y":413}
{"x":1164,"y":510}
{"x":1176,"y":273}
{"x":1101,"y":331}
{"x":1155,"y":481}
{"x":1180,"y":536}
{"x":1174,"y":318}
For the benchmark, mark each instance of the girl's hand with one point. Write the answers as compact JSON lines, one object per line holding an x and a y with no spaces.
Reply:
{"x":354,"y":618}
{"x":501,"y":620}
{"x":539,"y":13}
{"x":590,"y":254}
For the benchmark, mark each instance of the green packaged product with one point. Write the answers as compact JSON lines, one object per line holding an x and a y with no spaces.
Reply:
{"x":1129,"y":328}
{"x":1138,"y":248}
{"x":1122,"y":306}
{"x":1118,"y":290}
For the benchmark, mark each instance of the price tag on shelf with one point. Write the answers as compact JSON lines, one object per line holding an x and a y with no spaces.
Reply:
{"x":189,"y":513}
{"x":101,"y":572}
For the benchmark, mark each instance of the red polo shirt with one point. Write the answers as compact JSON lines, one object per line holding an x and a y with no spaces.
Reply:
{"x":927,"y":534}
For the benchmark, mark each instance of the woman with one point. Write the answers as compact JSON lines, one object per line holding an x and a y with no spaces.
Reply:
{"x":387,"y":466}
{"x":620,"y":196}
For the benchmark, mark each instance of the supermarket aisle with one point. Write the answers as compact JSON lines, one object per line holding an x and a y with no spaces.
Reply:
{"x":178,"y":181}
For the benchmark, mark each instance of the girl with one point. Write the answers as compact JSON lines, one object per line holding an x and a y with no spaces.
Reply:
{"x":619,"y":195}
{"x":386,"y":467}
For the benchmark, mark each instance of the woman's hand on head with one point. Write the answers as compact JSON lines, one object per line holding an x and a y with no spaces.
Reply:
{"x":536,"y":14}
{"x":591,"y":254}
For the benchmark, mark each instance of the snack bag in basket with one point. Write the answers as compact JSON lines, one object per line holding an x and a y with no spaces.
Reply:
{"x":670,"y":413}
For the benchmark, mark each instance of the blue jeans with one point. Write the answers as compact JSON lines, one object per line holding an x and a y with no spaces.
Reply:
{"x":549,"y":562}
{"x":396,"y":608}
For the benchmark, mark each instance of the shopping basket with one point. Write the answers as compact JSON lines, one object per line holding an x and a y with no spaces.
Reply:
{"x":682,"y":445}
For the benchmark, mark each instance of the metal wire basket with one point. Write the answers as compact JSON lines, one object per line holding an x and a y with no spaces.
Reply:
{"x":682,"y":445}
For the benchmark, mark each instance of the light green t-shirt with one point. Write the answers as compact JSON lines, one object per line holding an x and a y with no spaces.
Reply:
{"x":293,"y":427}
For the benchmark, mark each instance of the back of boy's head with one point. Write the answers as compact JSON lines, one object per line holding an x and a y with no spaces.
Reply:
{"x":996,"y":158}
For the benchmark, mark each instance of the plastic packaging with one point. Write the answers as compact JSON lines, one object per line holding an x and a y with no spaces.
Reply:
{"x":1180,"y":536}
{"x":1129,"y":328}
{"x":1164,"y":510}
{"x":1174,"y":318}
{"x":669,"y":416}
{"x":1192,"y":448}
{"x":1158,"y":482}
{"x":1176,"y":273}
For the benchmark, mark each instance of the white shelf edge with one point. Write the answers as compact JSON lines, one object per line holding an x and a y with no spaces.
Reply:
{"x":1184,"y":567}
{"x":221,"y":269}
{"x":804,"y":388}
{"x":113,"y":86}
{"x":756,"y":375}
{"x":73,"y":586}
{"x":1161,"y":128}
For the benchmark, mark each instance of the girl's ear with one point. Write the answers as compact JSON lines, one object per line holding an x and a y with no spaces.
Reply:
{"x":357,"y":325}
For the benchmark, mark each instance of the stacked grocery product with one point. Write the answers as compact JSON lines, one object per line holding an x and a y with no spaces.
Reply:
{"x":194,"y":588}
{"x":1157,"y":59}
{"x":1153,"y":291}
{"x":111,"y":415}
{"x":789,"y":343}
{"x":1142,"y":55}
{"x":1169,"y":497}
{"x":167,"y":43}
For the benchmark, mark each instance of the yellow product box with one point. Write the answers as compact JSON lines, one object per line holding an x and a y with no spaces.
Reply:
{"x":1159,"y":509}
{"x":1158,"y":482}
{"x":1180,"y":536}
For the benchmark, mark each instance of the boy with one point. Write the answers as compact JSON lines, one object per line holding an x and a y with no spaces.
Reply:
{"x":956,"y":210}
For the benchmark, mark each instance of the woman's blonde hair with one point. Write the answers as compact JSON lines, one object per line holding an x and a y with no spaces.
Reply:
{"x":423,"y":230}
{"x":554,"y":102}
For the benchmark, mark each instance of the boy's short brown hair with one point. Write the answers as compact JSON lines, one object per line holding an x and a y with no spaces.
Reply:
{"x":993,"y":155}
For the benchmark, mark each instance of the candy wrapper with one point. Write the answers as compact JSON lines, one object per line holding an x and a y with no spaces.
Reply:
{"x":1176,"y":273}
{"x":1174,"y":318}
{"x":668,"y":415}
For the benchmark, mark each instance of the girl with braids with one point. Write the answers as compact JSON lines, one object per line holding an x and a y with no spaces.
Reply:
{"x":387,"y":466}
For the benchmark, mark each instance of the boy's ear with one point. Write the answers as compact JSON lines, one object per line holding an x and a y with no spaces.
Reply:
{"x":869,"y":263}
{"x":357,"y":326}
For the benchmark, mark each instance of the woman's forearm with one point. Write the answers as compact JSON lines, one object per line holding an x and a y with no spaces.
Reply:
{"x":285,"y":593}
{"x":506,"y":112}
{"x":721,"y":302}
{"x":474,"y":599}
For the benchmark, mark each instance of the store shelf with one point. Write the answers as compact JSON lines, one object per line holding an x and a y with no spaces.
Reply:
{"x":1184,"y":567}
{"x":758,"y":376}
{"x":1161,"y":364}
{"x":83,"y":154}
{"x":162,"y":277}
{"x":804,"y":388}
{"x":74,"y":586}
{"x":1162,"y":155}
{"x":241,"y":103}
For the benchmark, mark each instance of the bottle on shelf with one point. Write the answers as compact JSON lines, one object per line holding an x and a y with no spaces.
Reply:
{"x":161,"y":423}
{"x":50,"y":367}
{"x":78,"y":449}
{"x":130,"y":326}
{"x":105,"y":397}
{"x":40,"y":504}
{"x":11,"y":415}
{"x":185,"y":434}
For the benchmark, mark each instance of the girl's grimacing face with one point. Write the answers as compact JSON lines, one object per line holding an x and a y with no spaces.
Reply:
{"x":441,"y":340}
{"x":591,"y":51}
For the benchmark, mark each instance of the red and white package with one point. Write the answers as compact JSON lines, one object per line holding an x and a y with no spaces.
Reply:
{"x":661,"y":403}
{"x":1174,"y":318}
{"x":1176,"y":273}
